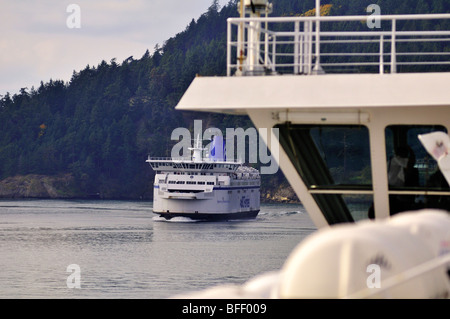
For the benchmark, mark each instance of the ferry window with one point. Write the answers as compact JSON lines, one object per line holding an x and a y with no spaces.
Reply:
{"x":411,"y":169}
{"x":348,"y":160}
{"x":332,"y":160}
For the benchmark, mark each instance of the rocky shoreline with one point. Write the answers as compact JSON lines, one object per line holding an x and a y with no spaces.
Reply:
{"x":39,"y":186}
{"x":65,"y":187}
{"x":280,"y":194}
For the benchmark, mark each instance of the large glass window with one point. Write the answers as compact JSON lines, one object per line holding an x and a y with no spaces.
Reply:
{"x":345,"y":151}
{"x":415,"y":181}
{"x":334,"y":162}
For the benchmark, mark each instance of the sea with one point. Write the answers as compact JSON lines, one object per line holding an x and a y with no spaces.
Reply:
{"x":95,"y":249}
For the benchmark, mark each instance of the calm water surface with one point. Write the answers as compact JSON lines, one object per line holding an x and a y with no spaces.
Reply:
{"x":124,"y":251}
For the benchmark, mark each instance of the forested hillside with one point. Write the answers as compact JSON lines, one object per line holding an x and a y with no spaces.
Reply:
{"x":93,"y":133}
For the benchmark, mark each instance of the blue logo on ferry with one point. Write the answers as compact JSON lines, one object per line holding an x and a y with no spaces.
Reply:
{"x":245,"y":202}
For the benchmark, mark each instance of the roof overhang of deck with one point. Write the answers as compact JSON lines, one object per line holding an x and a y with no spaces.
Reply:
{"x":236,"y":95}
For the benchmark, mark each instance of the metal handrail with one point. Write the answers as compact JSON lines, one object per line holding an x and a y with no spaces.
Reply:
{"x":298,"y":56}
{"x":170,"y":159}
{"x":188,"y":159}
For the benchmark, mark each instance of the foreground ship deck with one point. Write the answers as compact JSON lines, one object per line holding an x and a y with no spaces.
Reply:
{"x":371,"y":115}
{"x":370,"y":147}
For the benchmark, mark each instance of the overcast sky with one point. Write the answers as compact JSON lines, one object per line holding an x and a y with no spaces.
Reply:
{"x":37,"y":44}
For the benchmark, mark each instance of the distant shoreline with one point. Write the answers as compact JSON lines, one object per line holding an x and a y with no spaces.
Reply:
{"x":64,"y":186}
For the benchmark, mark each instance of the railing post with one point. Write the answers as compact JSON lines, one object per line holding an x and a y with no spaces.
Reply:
{"x":229,"y":48}
{"x":393,"y":50}
{"x":381,"y":54}
{"x":296,"y":46}
{"x":240,"y":47}
{"x":317,"y":33}
{"x":308,"y":48}
{"x":266,"y":45}
{"x":274,"y":52}
{"x":317,"y":68}
{"x":301,"y":53}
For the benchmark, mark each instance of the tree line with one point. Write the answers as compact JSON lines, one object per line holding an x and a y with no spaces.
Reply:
{"x":102,"y":124}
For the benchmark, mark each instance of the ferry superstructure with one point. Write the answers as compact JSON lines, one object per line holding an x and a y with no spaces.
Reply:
{"x":204,"y":188}
{"x":366,"y":152}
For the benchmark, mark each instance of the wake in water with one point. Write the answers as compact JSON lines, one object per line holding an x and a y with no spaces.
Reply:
{"x":278,"y":213}
{"x":189,"y":220}
{"x":174,"y":219}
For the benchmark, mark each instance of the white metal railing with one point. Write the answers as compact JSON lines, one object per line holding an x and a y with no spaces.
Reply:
{"x":169,"y":159}
{"x":189,"y":160}
{"x":290,"y":44}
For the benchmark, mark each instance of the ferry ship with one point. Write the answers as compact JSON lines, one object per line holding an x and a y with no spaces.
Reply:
{"x":207,"y":188}
{"x":363,"y":142}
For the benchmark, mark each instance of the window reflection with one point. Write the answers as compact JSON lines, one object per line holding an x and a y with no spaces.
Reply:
{"x":415,"y":181}
{"x":334,"y":162}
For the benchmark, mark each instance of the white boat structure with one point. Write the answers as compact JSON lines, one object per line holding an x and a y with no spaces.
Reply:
{"x":351,"y":147}
{"x":205,"y":188}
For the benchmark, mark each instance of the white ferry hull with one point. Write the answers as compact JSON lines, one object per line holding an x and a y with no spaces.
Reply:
{"x":227,"y":203}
